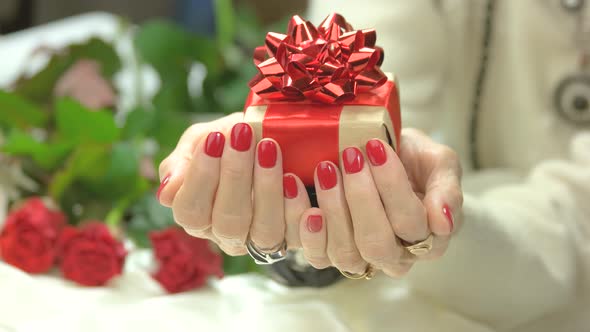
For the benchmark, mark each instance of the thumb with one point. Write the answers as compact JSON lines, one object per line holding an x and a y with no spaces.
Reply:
{"x":435,"y":171}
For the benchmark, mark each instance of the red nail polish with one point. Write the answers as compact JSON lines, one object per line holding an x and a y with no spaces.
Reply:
{"x":214,"y":144}
{"x":315,"y":223}
{"x":267,"y":154}
{"x":241,"y":137}
{"x":326,"y":175}
{"x":449,"y":214}
{"x":376,"y":152}
{"x":162,"y":186}
{"x":353,"y":160}
{"x":289,"y":186}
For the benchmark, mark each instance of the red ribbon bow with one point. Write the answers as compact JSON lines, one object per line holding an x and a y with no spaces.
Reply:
{"x":330,"y":63}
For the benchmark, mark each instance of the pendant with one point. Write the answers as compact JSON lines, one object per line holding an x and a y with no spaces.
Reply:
{"x":572,"y":98}
{"x":573,"y":5}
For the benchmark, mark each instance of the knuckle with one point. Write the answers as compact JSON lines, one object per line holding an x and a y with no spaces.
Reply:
{"x":319,"y":262}
{"x":347,"y":259}
{"x":192,"y":218}
{"x":231,"y":227}
{"x":397,"y":272}
{"x":235,"y":172}
{"x":387,"y":188}
{"x":446,"y":153}
{"x":233,"y":251}
{"x":359,"y":193}
{"x":408,"y":226}
{"x":375,"y":251}
{"x":266,"y":238}
{"x":200,"y":233}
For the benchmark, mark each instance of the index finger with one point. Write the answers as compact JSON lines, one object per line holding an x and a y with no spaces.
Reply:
{"x":173,"y":167}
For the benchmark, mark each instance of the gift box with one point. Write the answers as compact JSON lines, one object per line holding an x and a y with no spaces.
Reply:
{"x":319,"y":91}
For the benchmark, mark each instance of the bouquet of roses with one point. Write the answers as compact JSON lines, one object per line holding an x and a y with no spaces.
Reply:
{"x":78,"y":176}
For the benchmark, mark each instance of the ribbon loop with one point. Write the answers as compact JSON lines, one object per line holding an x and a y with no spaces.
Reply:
{"x":328,"y":64}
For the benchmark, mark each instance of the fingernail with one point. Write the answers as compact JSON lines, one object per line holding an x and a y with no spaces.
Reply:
{"x":289,"y":186}
{"x":314,"y":223}
{"x":353,"y":160}
{"x":214,"y":144}
{"x":449,"y":214}
{"x":376,"y":152}
{"x":241,"y":137}
{"x":326,"y":175}
{"x":267,"y":154}
{"x":162,"y":186}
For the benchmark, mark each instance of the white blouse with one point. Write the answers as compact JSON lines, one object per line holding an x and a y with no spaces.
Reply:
{"x":522,"y":260}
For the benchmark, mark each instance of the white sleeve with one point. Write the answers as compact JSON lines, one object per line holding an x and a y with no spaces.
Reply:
{"x":412,"y":35}
{"x":518,"y":255}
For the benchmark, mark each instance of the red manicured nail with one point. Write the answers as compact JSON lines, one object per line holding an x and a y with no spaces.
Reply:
{"x":267,"y":154}
{"x":241,"y":137}
{"x":326,"y":175}
{"x":353,"y":160}
{"x":214,"y":144}
{"x":376,"y":152}
{"x":289,"y":186}
{"x":314,"y":223}
{"x":162,"y":186}
{"x":449,"y":214}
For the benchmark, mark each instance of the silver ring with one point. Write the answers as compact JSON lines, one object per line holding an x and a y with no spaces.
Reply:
{"x":263,"y":258}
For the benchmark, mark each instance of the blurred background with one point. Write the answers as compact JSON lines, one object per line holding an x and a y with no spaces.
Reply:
{"x":194,"y":14}
{"x":94,"y":94}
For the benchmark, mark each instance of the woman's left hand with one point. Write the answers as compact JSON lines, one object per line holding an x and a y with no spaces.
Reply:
{"x":371,"y":211}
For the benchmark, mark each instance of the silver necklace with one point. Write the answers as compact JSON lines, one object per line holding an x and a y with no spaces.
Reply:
{"x":571,"y":97}
{"x":480,"y":81}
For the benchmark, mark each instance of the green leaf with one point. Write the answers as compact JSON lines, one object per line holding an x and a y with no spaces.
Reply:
{"x":173,"y":95}
{"x":163,"y":44}
{"x":172,"y":51}
{"x":86,"y":161}
{"x":205,"y":51}
{"x":138,"y":123}
{"x":16,"y":111}
{"x":39,"y":87}
{"x":233,"y":265}
{"x":47,"y":155}
{"x":232,"y":93}
{"x":118,"y":176}
{"x":224,"y":22}
{"x":76,"y":123}
{"x":122,"y":173}
{"x":147,"y":215}
{"x":170,"y":127}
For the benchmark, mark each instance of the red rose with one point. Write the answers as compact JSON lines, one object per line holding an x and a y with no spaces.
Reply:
{"x":90,"y":255}
{"x":29,"y":237}
{"x":185,"y":262}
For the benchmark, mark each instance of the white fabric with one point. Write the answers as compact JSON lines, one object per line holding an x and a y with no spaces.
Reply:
{"x":521,"y":261}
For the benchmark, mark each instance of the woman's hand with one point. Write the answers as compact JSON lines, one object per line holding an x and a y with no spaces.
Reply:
{"x":222,"y":186}
{"x":372,"y":209}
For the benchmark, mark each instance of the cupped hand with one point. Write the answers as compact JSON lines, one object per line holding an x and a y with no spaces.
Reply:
{"x":223,"y":186}
{"x":380,"y":202}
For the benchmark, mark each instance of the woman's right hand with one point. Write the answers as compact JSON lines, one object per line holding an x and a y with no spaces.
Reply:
{"x":223,"y":187}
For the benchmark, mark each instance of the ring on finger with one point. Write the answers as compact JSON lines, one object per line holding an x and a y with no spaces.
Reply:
{"x":420,"y":248}
{"x":268,"y":256}
{"x":368,"y":274}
